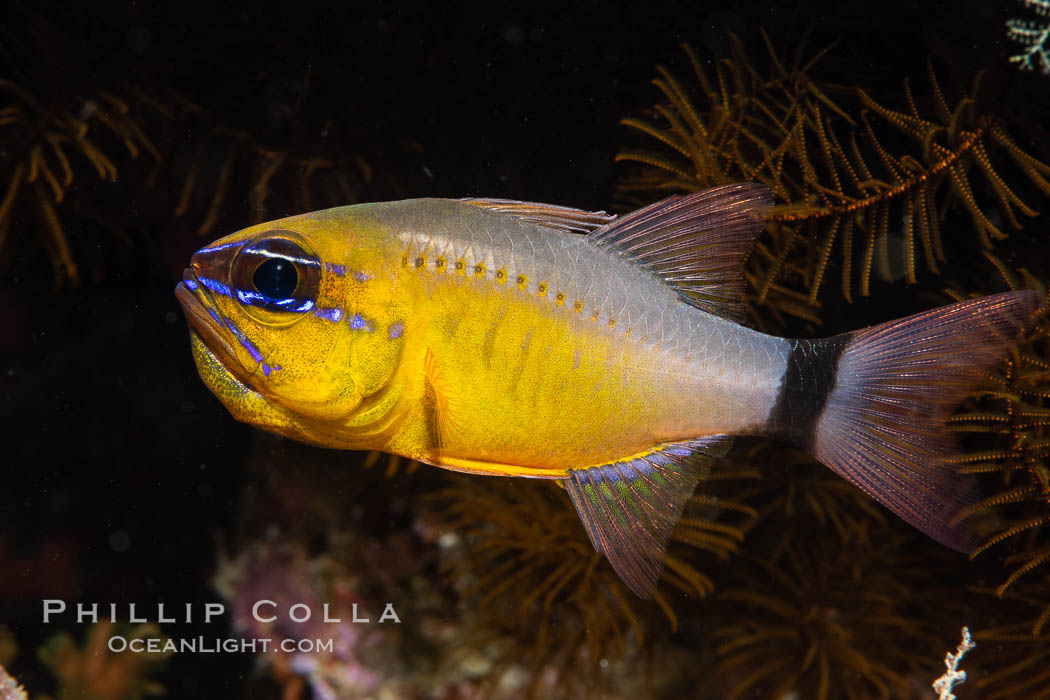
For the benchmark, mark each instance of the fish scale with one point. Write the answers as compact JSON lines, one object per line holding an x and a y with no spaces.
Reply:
{"x":668,"y":383}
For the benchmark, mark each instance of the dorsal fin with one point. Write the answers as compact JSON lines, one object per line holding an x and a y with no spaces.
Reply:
{"x":696,"y":242}
{"x":629,"y":508}
{"x":549,"y":215}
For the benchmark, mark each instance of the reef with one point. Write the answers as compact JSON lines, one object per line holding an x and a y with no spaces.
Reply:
{"x":838,"y":626}
{"x":92,"y":670}
{"x":9,"y":687}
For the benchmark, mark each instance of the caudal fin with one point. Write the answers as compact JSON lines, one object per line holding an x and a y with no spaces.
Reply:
{"x":883,"y":426}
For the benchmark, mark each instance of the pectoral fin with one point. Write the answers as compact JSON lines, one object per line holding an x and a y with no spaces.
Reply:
{"x":443,"y":399}
{"x":630,"y":508}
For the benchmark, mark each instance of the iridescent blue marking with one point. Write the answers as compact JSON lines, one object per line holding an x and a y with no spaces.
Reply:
{"x":215,"y":286}
{"x":333,"y":315}
{"x":396,"y":330}
{"x":286,"y":304}
{"x":309,"y":262}
{"x":249,"y":297}
{"x":243,"y":339}
{"x":215,"y":316}
{"x":359,"y":323}
{"x":190,"y":285}
{"x":336,"y":269}
{"x":219,"y":247}
{"x":362,"y":276}
{"x":255,"y":299}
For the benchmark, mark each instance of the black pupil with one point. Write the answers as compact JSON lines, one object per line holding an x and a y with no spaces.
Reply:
{"x":276,"y":279}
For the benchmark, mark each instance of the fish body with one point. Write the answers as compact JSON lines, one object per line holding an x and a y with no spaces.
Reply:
{"x":544,"y":352}
{"x":520,"y":339}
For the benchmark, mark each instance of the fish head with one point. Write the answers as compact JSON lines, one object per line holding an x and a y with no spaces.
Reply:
{"x":276,"y":326}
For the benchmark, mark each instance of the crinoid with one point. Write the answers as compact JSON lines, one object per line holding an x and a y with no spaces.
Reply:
{"x":517,"y":553}
{"x":825,"y":621}
{"x":281,"y":176}
{"x":844,"y":177}
{"x":1015,"y":657}
{"x":1034,"y":36}
{"x":796,"y":494}
{"x":59,"y":125}
{"x":394,"y":463}
{"x":1005,"y":424}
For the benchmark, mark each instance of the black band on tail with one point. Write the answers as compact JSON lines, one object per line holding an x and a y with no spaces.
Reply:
{"x":808,"y":380}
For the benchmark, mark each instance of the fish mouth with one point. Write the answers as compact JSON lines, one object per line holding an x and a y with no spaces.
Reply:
{"x":207,"y":323}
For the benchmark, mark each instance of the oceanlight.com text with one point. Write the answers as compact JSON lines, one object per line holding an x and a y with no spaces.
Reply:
{"x":205,"y":645}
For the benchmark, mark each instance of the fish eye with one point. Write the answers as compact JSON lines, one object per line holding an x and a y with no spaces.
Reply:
{"x":276,"y":279}
{"x":275,"y":273}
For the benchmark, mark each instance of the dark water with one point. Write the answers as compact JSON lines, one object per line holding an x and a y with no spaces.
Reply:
{"x":124,"y":479}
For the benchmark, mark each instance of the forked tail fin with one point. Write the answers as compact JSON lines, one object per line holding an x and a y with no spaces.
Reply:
{"x":883,"y":426}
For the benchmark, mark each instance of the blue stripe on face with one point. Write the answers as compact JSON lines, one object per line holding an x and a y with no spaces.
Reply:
{"x":213,"y":248}
{"x":396,"y":330}
{"x":215,"y":286}
{"x":243,"y":296}
{"x":243,"y":339}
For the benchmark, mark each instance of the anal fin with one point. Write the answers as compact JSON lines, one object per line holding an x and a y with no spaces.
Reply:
{"x":629,"y":508}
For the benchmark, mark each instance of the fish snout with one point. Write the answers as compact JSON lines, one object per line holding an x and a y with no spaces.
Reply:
{"x":212,"y":263}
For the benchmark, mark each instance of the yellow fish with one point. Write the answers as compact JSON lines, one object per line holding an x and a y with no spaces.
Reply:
{"x":518,"y":339}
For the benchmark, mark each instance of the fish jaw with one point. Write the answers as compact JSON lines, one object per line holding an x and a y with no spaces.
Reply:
{"x":204,"y":321}
{"x":219,"y":364}
{"x":244,"y":403}
{"x":240,"y":381}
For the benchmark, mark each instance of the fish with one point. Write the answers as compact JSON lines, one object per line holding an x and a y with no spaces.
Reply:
{"x":608,"y":353}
